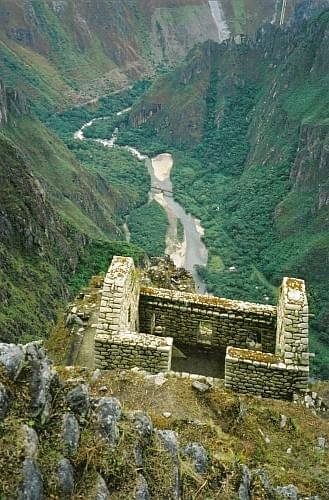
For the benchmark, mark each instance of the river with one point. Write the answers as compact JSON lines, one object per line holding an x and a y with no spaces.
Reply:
{"x":189,"y":252}
{"x":219,"y":19}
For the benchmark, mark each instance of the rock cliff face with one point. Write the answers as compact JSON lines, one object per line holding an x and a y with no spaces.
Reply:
{"x":32,"y":236}
{"x":83,"y":49}
{"x":51,"y":211}
{"x":11,"y":101}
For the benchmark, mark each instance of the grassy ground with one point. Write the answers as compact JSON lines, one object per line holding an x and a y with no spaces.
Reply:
{"x":234,"y":429}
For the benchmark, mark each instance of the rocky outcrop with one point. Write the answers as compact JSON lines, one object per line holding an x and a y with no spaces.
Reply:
{"x":311,"y":167}
{"x":12,"y":103}
{"x":105,"y":450}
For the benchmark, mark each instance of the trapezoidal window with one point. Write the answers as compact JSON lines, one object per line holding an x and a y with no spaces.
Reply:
{"x":205,"y":332}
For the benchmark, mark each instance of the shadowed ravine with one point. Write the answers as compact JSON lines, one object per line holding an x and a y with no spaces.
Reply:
{"x":192,"y":251}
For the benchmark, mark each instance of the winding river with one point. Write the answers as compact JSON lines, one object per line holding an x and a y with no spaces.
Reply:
{"x":187,"y":253}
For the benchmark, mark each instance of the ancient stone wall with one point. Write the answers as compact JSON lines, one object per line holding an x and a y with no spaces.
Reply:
{"x":292,"y":328}
{"x":211,"y":322}
{"x":131,"y":349}
{"x":117,"y":343}
{"x":287,"y":372}
{"x":263,"y":374}
{"x":267,"y":346}
{"x":120,"y":297}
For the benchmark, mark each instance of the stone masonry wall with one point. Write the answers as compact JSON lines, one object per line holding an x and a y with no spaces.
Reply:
{"x":278,"y":368}
{"x":263,"y":375}
{"x":292,"y":330}
{"x":117,"y":343}
{"x":120,"y":297}
{"x":130,"y":349}
{"x":212,"y":322}
{"x":287,"y":372}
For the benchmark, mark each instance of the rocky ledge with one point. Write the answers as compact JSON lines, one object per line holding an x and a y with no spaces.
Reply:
{"x":59,"y":440}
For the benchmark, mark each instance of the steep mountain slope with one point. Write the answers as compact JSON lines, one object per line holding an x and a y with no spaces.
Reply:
{"x":53,"y":213}
{"x":62,"y":51}
{"x":251,"y":120}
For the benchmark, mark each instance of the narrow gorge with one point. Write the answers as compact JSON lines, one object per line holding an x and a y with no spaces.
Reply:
{"x":191,"y":251}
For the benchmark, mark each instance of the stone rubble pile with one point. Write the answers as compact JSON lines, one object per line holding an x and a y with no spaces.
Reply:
{"x":162,"y":273}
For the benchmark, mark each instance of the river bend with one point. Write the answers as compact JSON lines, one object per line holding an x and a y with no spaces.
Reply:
{"x":191,"y":251}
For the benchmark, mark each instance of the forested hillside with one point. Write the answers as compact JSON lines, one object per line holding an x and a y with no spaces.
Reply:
{"x":248,"y":124}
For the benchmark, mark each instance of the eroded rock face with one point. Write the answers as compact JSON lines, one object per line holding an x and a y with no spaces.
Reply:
{"x":78,"y":399}
{"x":144,"y":427}
{"x":142,"y":424}
{"x":31,"y":441}
{"x":102,"y":492}
{"x":169,"y":440}
{"x":198,"y":456}
{"x":244,"y":488}
{"x":142,"y":490}
{"x":65,"y":474}
{"x":109,"y":412}
{"x":11,"y":359}
{"x":42,"y":376}
{"x":32,"y":484}
{"x":107,"y":441}
{"x":4,"y":401}
{"x":71,"y":434}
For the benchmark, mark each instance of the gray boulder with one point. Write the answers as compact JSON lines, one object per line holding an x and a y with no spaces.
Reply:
{"x":280,"y":492}
{"x":31,"y":442}
{"x":71,"y":434}
{"x":31,"y":487}
{"x":198,"y":456}
{"x":244,"y":488}
{"x":65,"y":476}
{"x":42,"y":377}
{"x":4,"y":401}
{"x":102,"y":492}
{"x":143,"y":425}
{"x":200,"y":386}
{"x":109,"y":412}
{"x":142,"y":490}
{"x":78,"y":399}
{"x":11,"y":359}
{"x":287,"y":492}
{"x":169,"y":441}
{"x":262,"y":475}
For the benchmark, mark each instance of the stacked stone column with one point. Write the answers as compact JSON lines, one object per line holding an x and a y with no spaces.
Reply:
{"x":292,"y":328}
{"x":120,"y":298}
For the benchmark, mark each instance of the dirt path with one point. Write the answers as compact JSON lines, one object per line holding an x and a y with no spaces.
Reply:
{"x":85,"y":355}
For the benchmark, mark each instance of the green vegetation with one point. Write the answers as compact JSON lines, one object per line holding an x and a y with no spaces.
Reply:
{"x":253,"y":178}
{"x":143,"y":138}
{"x":148,"y":227}
{"x":96,"y":258}
{"x":233,"y":430}
{"x":126,"y":175}
{"x":73,"y":212}
{"x":180,"y":231}
{"x":67,"y":122}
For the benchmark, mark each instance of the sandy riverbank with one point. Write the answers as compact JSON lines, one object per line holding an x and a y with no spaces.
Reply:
{"x":174,"y":248}
{"x":162,"y":165}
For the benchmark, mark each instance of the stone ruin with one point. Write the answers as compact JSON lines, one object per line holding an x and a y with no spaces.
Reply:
{"x":266,"y":346}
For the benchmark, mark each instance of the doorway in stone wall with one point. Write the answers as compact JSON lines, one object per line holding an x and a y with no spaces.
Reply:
{"x":198,"y":360}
